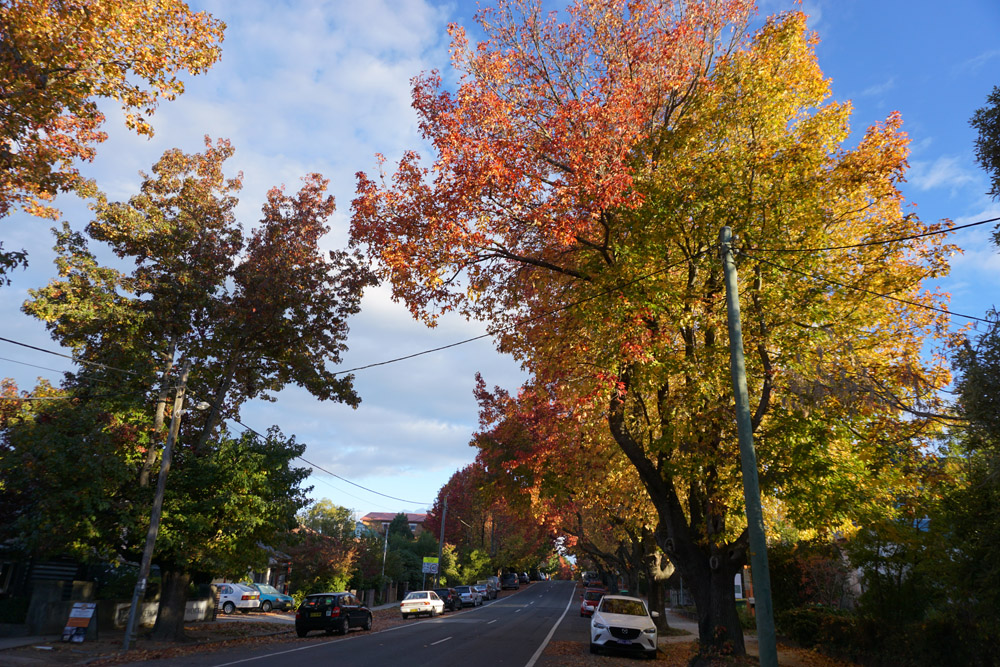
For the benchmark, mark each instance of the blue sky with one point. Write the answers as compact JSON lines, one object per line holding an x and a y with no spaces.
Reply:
{"x":323,"y":86}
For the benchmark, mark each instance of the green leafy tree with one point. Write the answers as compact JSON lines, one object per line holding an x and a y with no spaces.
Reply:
{"x":71,"y":465}
{"x":202,"y":292}
{"x":323,"y":549}
{"x":986,"y":120}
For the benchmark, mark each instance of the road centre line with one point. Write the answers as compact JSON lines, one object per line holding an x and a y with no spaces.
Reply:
{"x":548,"y":638}
{"x":493,"y":621}
{"x":440,"y":641}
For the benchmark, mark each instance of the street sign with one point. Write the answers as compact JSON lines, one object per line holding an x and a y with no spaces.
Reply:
{"x":430,"y":565}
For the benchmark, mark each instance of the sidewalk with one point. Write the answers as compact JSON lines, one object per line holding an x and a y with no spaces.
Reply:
{"x":17,"y":642}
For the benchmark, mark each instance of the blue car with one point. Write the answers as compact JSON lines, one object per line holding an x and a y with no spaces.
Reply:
{"x":271,"y":598}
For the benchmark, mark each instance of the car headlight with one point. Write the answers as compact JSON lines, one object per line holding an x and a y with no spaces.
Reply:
{"x":600,"y":626}
{"x":650,"y":631}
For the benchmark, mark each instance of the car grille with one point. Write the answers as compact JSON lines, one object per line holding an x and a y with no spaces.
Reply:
{"x":625,"y":633}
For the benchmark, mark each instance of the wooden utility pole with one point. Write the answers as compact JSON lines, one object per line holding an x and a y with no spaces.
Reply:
{"x":444,"y":515}
{"x":154,"y":519}
{"x":767,"y":642}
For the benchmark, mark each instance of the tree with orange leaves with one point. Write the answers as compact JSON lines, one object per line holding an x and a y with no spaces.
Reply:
{"x":58,"y":59}
{"x":582,"y":173}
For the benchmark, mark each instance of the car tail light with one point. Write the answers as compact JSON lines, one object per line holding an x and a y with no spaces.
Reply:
{"x":333,"y":612}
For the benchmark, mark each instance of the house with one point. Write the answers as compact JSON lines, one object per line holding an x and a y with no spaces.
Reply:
{"x":377,"y":522}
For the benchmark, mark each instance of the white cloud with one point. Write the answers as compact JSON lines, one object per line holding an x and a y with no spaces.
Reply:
{"x":946,"y":171}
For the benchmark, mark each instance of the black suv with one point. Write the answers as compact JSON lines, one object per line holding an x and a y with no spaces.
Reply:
{"x":331,"y":612}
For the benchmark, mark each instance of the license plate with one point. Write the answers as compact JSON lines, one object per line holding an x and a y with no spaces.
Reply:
{"x":625,"y":642}
{"x":412,"y":610}
{"x":316,"y":614}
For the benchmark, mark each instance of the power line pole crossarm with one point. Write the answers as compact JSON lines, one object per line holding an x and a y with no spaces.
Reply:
{"x":767,"y":643}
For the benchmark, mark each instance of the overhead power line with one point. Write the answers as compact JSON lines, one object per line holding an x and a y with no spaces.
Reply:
{"x":897,"y":239}
{"x":861,"y":289}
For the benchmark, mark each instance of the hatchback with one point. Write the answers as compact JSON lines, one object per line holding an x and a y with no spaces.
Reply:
{"x":589,"y":599}
{"x":331,"y":612}
{"x":452,"y":600}
{"x":470,"y":596}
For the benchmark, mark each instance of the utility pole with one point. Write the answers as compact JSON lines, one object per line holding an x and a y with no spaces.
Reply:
{"x":444,"y":515}
{"x":767,"y":643}
{"x":154,"y":519}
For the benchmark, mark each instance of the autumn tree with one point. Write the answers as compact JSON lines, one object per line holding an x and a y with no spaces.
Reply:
{"x":202,"y":291}
{"x":323,"y":549}
{"x":582,"y":173}
{"x":58,"y":60}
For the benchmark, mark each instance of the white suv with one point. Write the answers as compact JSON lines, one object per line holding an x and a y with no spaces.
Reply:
{"x":623,"y":622}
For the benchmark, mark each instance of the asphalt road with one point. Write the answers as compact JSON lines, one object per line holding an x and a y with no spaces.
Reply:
{"x":513,"y":630}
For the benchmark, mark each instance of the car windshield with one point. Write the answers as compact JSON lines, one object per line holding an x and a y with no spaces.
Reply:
{"x":592,"y":596}
{"x":626,"y":607}
{"x":264,"y":588}
{"x":416,"y":595}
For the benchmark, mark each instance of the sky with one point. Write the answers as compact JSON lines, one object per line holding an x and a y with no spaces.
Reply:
{"x":322,"y":86}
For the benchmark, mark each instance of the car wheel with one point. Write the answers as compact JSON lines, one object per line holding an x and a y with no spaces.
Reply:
{"x":265,"y":606}
{"x":228,"y":608}
{"x":593,"y":647}
{"x":651,"y":654}
{"x":368,"y":623}
{"x":302,"y":633}
{"x":405,"y":616}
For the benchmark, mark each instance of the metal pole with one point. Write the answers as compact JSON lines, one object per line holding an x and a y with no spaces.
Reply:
{"x":444,"y":515}
{"x":767,"y":643}
{"x":154,"y":519}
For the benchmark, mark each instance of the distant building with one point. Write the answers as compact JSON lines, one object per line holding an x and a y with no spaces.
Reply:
{"x":377,"y":522}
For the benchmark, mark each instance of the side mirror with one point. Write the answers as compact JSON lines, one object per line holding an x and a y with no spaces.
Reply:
{"x":654,"y":614}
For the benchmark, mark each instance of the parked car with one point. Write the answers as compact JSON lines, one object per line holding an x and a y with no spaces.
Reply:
{"x":522,"y":578}
{"x":510,"y":580}
{"x":491,"y":590}
{"x":237,"y":596}
{"x":470,"y":596}
{"x":452,"y":600}
{"x":623,"y":622}
{"x":421,"y":602}
{"x":331,"y":612}
{"x":272,"y":598}
{"x":589,"y":599}
{"x":483,"y":591}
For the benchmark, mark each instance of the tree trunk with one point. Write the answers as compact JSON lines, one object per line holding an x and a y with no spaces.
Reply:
{"x":173,"y":599}
{"x":709,"y":566}
{"x":717,"y":618}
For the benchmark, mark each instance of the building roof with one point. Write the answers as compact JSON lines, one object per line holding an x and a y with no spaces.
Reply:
{"x":389,"y":516}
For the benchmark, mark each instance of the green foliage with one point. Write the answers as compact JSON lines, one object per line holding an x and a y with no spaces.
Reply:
{"x":399,"y":527}
{"x":326,"y":518}
{"x":987,"y":121}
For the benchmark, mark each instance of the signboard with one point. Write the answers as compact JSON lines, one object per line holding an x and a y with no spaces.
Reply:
{"x":430,"y":565}
{"x":79,"y":621}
